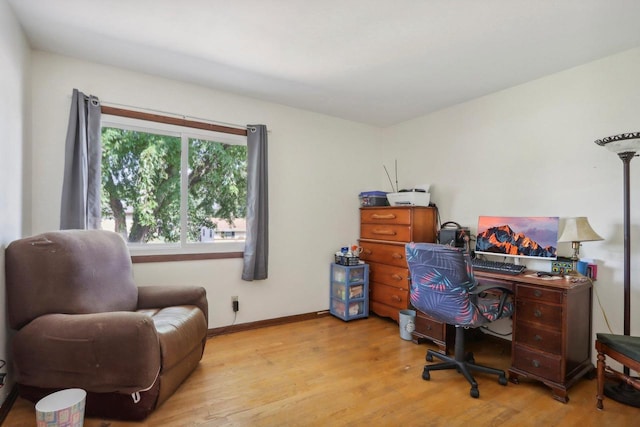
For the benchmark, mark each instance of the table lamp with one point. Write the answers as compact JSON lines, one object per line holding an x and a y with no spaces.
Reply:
{"x":625,"y":145}
{"x":577,"y":230}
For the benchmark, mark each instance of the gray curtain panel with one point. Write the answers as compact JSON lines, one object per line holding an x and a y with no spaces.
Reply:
{"x":80,"y":208}
{"x":256,"y":250}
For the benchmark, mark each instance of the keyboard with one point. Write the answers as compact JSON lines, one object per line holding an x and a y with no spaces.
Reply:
{"x":497,"y":267}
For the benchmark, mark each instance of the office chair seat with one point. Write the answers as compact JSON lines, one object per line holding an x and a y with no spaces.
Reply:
{"x":443,"y":287}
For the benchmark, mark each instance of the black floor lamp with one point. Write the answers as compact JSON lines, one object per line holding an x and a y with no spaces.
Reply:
{"x":625,"y":145}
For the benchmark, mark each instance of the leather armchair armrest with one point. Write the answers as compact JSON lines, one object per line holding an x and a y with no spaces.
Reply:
{"x":101,"y":352}
{"x":150,"y":297}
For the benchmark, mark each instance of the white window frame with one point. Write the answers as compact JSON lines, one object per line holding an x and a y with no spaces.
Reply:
{"x":185,"y":133}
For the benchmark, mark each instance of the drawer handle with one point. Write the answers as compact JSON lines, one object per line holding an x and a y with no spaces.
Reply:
{"x":396,"y":277}
{"x":537,"y":337}
{"x":537,"y":293}
{"x":537,"y":313}
{"x":396,"y":255}
{"x":384,"y":232}
{"x":367,"y":251}
{"x":429,"y":327}
{"x":535,"y":363}
{"x":396,"y":298}
{"x":385,"y":216}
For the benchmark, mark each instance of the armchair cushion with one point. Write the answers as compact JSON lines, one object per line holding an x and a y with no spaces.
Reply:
{"x":102,"y":352}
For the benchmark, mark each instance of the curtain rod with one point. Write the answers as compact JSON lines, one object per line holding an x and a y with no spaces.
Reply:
{"x":181,"y":116}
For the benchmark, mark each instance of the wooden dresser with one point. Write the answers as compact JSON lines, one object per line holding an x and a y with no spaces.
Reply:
{"x":384,"y":231}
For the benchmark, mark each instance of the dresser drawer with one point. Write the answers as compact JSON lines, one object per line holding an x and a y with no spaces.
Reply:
{"x":384,"y":310}
{"x":385,"y":216}
{"x":389,"y":275}
{"x":539,"y":338}
{"x":391,"y":254}
{"x":532,"y":311}
{"x":538,"y":293}
{"x":388,"y":295}
{"x":537,"y":363}
{"x":394,"y":233}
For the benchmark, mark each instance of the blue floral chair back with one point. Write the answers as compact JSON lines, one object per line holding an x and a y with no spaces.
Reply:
{"x":443,"y":286}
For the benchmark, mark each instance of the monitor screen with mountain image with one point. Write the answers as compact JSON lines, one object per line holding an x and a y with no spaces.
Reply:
{"x":520,"y":237}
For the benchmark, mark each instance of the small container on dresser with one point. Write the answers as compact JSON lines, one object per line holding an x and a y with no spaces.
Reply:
{"x":349,"y":291}
{"x":384,"y":231}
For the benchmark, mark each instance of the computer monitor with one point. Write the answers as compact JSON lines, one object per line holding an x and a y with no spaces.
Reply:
{"x":520,"y":237}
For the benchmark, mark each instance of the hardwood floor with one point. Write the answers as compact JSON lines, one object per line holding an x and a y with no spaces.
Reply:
{"x":326,"y":372}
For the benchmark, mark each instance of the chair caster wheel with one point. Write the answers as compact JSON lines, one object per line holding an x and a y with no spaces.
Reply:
{"x":429,"y":358}
{"x":502,"y":380}
{"x":469,"y":358}
{"x":425,"y":375}
{"x":474,"y":392}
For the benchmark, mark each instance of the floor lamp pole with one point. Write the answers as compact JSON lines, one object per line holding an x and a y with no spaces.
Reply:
{"x":626,"y":160}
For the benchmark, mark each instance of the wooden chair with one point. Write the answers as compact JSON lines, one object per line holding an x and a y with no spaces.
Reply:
{"x":625,"y":350}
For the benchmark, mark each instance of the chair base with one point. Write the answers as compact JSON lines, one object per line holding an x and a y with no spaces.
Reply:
{"x":463,"y":362}
{"x":623,"y":393}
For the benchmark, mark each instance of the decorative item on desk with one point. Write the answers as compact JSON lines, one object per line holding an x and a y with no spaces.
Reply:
{"x":577,"y":230}
{"x":561,"y":265}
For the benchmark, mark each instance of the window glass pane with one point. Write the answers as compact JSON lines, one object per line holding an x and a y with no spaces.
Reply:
{"x":141,"y":185}
{"x":217,"y":191}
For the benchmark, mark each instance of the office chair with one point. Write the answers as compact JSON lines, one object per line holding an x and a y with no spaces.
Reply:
{"x":624,"y":349}
{"x":443,"y":286}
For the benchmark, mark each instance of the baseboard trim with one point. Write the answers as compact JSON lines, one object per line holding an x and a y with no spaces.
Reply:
{"x":8,"y":404}
{"x":265,"y":323}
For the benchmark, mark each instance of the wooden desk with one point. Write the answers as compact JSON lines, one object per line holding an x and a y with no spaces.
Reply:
{"x":551,"y":340}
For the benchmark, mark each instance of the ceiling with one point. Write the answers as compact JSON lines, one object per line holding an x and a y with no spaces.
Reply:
{"x":373,"y":61}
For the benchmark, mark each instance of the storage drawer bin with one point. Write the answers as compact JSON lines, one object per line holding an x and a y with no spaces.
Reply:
{"x":349,"y":293}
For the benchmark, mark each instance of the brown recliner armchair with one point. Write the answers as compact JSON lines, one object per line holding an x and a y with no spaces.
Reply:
{"x":81,"y":321}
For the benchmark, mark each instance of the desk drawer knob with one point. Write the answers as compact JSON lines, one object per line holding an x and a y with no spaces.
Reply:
{"x":396,"y":277}
{"x":535,"y":363}
{"x":396,"y":298}
{"x":537,"y":313}
{"x":396,"y":255}
{"x":537,"y":337}
{"x":537,"y":293}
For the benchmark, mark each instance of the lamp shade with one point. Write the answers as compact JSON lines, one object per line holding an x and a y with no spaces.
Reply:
{"x":621,"y":143}
{"x":578,"y":230}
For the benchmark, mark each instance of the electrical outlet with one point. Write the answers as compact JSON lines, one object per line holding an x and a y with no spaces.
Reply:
{"x":235,"y":305}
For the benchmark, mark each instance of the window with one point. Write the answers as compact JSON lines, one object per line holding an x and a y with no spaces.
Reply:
{"x":173,"y":189}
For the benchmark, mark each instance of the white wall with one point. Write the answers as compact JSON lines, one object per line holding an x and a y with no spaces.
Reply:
{"x":530,"y":150}
{"x":14,"y":57}
{"x":317,"y":167}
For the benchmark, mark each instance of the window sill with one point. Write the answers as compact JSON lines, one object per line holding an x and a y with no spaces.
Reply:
{"x":139,"y":259}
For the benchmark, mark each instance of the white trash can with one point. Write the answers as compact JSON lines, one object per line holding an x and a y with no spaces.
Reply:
{"x":62,"y":408}
{"x":407,"y":323}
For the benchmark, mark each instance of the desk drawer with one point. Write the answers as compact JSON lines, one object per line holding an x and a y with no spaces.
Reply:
{"x":428,"y":327}
{"x":539,"y":338}
{"x":537,"y":363}
{"x":539,"y":293}
{"x":385,"y":216}
{"x":391,"y":254}
{"x":536,"y":312}
{"x":391,"y":275}
{"x":388,"y":295}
